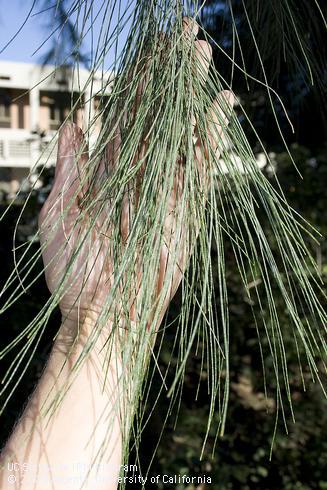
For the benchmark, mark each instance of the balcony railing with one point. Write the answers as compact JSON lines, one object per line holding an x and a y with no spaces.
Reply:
{"x":23,"y":149}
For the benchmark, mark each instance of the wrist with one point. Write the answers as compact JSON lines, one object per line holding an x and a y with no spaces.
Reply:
{"x":80,"y":327}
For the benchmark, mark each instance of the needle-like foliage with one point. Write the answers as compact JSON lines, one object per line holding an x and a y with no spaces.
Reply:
{"x":160,"y":180}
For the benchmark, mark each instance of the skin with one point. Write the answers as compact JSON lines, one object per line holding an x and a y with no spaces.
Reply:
{"x":75,"y":431}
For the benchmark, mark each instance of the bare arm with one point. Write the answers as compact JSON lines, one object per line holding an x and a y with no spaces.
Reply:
{"x":57,"y":451}
{"x":60,"y":447}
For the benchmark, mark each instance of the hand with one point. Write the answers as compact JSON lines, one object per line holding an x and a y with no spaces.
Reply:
{"x":64,"y":224}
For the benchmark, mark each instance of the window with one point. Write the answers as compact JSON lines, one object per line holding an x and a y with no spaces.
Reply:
{"x":102,"y":107}
{"x":5,"y":102}
{"x":59,"y":105}
{"x":55,"y":112}
{"x":55,"y":116}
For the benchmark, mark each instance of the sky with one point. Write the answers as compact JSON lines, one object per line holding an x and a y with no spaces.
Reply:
{"x":30,"y":36}
{"x":12,"y":15}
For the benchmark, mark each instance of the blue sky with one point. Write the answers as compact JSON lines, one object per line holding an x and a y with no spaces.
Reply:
{"x":13,"y":13}
{"x":27,"y":41}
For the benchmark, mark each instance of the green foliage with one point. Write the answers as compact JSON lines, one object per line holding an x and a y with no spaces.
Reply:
{"x":251,"y":299}
{"x":241,"y":459}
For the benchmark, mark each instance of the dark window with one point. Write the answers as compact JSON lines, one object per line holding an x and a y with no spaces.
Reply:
{"x":56,"y":116}
{"x":5,"y":101}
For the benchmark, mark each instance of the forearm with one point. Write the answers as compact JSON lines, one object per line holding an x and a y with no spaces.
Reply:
{"x":56,"y":450}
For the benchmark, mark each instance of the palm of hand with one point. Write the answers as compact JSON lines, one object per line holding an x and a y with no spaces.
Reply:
{"x":64,"y":227}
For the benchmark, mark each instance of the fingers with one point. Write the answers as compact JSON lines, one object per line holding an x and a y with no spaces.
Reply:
{"x":218,"y":118}
{"x":203,"y":57}
{"x":141,"y":70}
{"x":70,"y":174}
{"x":111,"y":151}
{"x":190,"y":28}
{"x":125,"y":218}
{"x":202,"y":49}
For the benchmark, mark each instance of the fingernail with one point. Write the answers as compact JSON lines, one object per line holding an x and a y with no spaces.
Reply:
{"x":230,"y":97}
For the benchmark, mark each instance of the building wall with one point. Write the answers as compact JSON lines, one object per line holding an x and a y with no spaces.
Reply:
{"x":20,"y":109}
{"x":34,"y":101}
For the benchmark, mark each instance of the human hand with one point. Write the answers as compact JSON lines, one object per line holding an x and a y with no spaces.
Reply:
{"x":84,"y":258}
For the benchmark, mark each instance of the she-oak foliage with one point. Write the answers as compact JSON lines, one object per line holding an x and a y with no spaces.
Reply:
{"x":157,"y":89}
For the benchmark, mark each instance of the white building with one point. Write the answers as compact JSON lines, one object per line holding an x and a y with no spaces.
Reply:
{"x":34,"y":101}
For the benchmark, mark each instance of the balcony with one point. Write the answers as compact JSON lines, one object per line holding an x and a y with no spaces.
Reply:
{"x":22,"y":149}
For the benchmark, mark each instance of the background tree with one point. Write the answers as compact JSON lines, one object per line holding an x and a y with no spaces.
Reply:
{"x":66,"y":38}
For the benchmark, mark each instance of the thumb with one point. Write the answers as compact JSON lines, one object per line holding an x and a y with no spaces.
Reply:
{"x":218,"y":118}
{"x":70,"y":173}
